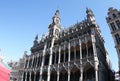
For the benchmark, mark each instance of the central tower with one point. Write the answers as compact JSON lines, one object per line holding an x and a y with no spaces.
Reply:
{"x":54,"y":27}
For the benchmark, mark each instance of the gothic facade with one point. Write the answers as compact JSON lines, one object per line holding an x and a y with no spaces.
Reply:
{"x":113,"y":21}
{"x":76,"y":53}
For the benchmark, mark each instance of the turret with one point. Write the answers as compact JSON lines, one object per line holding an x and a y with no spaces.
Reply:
{"x":90,"y":16}
{"x":36,"y":40}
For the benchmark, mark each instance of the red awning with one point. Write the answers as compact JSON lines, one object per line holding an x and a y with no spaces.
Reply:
{"x":4,"y":73}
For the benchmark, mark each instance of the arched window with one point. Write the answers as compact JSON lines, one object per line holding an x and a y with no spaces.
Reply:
{"x":114,"y":15}
{"x":113,"y":26}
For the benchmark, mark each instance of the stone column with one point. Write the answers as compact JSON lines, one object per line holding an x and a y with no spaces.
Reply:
{"x":95,"y":57}
{"x":59,"y":54}
{"x":42,"y":62}
{"x":28,"y":62}
{"x":81,"y":68}
{"x":96,"y":74}
{"x":32,"y":61}
{"x":34,"y":76}
{"x":80,"y":44}
{"x":50,"y":60}
{"x":69,"y":52}
{"x":30,"y":76}
{"x":40,"y":79}
{"x":25,"y":63}
{"x":68,"y":75}
{"x":26,"y":77}
{"x":22,"y":76}
{"x":37,"y":61}
{"x":81,"y":73}
{"x":48,"y":76}
{"x":58,"y":75}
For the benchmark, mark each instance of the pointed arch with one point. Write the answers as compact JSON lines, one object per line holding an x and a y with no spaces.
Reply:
{"x":37,"y":76}
{"x":75,"y":74}
{"x":88,"y":72}
{"x":63,"y":75}
{"x":44,"y":76}
{"x":53,"y":76}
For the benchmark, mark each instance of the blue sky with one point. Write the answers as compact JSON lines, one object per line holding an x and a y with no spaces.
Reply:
{"x":21,"y":20}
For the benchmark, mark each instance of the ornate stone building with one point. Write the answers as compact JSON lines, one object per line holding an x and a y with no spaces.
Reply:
{"x":113,"y":21}
{"x":73,"y":54}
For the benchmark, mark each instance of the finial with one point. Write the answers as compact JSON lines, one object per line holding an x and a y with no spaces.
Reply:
{"x":88,"y":10}
{"x":36,"y":38}
{"x":57,"y":13}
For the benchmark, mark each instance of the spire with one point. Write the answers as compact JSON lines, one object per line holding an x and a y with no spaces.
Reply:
{"x":57,"y":13}
{"x":89,"y":12}
{"x":36,"y":38}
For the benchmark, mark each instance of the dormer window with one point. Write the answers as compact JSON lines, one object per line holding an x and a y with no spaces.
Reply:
{"x":109,"y":18}
{"x":118,"y":23}
{"x":114,"y":15}
{"x":117,"y":37}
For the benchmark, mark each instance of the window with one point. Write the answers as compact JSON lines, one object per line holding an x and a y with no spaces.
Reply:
{"x":114,"y":16}
{"x":118,"y":23}
{"x":109,"y":18}
{"x":119,"y":13}
{"x":117,"y":37}
{"x":113,"y":26}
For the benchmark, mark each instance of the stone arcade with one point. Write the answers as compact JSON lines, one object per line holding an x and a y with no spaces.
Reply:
{"x":73,"y":54}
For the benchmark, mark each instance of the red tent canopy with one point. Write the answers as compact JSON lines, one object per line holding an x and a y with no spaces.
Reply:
{"x":4,"y":73}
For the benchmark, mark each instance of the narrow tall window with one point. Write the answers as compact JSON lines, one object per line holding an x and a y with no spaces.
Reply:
{"x":118,"y":23}
{"x":117,"y":37}
{"x":113,"y":26}
{"x":114,"y":15}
